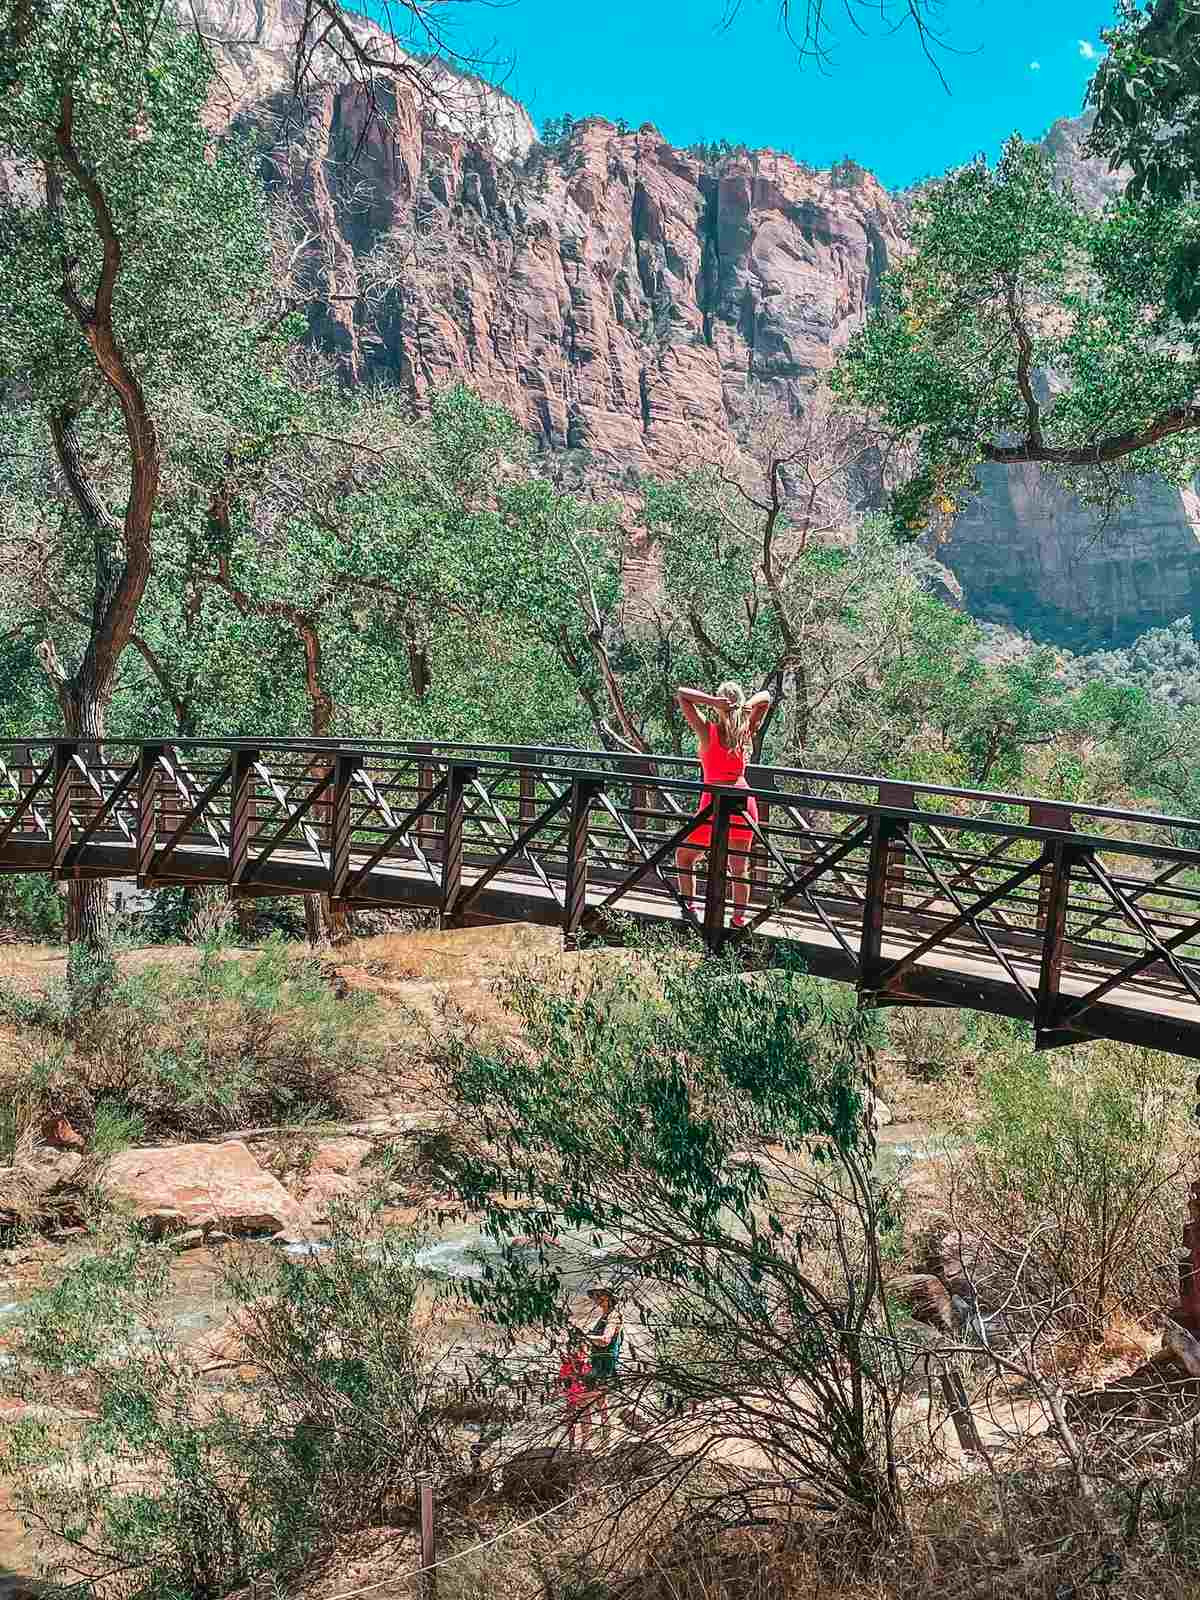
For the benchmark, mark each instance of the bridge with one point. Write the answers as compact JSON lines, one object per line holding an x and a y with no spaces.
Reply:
{"x":1082,"y":920}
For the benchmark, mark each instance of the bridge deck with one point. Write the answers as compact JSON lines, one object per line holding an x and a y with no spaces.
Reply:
{"x":1084,"y":921}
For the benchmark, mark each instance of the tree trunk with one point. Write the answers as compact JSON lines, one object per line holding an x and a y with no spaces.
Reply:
{"x":87,"y":898}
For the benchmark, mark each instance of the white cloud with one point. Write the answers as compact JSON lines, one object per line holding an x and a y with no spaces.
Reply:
{"x":1088,"y":50}
{"x":1035,"y":66}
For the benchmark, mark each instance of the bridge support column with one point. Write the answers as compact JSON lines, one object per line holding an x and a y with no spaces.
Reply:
{"x":242,"y":818}
{"x":716,"y":889}
{"x":583,"y":795}
{"x":344,"y":767}
{"x":885,"y":832}
{"x":460,"y":776}
{"x":1053,"y":899}
{"x":62,"y":817}
{"x":149,"y":778}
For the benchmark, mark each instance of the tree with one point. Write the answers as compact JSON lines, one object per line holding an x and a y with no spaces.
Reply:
{"x":132,"y":268}
{"x":809,"y":25}
{"x":1147,"y":98}
{"x":1025,"y":329}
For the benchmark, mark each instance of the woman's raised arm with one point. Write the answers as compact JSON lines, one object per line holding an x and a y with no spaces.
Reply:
{"x":758,"y":705}
{"x":689,"y":699}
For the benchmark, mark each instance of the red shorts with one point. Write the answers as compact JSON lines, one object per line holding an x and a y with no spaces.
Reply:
{"x":740,"y":834}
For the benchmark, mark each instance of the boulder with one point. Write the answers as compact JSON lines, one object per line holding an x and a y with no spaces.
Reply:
{"x":219,"y":1186}
{"x":333,"y":1175}
{"x":339,"y":1156}
{"x":952,"y":1254}
{"x":58,"y":1133}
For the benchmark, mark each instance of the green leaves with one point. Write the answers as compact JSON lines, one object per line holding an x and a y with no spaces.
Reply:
{"x":1146,"y":94}
{"x":1012,"y":280}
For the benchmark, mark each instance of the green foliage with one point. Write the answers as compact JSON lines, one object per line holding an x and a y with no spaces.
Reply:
{"x":847,"y":174}
{"x":1147,"y":98}
{"x":1010,"y":277}
{"x":557,"y":131}
{"x":706,"y":1128}
{"x":712,"y":152}
{"x":173,"y":1490}
{"x":1162,"y":664}
{"x":1084,"y":1159}
{"x":185,"y":1052}
{"x":31,"y":906}
{"x":115,"y":1128}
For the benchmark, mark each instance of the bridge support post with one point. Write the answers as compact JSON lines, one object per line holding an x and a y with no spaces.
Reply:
{"x":1053,"y":899}
{"x":903,"y":797}
{"x":62,"y":817}
{"x":426,"y":783}
{"x":526,"y":787}
{"x":885,"y":831}
{"x":583,"y":794}
{"x":149,"y":778}
{"x":344,"y":767}
{"x":241,"y":815}
{"x":461,"y":774}
{"x":717,"y":887}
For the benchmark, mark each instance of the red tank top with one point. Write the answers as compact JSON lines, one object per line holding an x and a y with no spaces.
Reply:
{"x":719,"y":765}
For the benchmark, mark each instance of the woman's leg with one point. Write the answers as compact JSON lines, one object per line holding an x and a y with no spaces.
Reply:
{"x":685,"y":861}
{"x":739,"y":870}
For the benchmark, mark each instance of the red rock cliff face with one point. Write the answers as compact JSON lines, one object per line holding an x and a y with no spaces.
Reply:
{"x":619,"y":297}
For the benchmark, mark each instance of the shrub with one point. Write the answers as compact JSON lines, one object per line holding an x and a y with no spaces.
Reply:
{"x":31,"y":906}
{"x":186,"y":1052}
{"x":1078,"y":1168}
{"x":171,"y":1489}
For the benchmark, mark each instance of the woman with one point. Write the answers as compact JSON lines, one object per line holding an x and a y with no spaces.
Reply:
{"x":604,"y":1340}
{"x":726,"y":737}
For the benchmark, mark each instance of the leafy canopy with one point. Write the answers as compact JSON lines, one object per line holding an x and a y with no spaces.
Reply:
{"x":1147,"y":98}
{"x":1012,"y":280}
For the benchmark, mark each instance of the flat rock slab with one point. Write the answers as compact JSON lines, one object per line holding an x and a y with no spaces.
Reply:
{"x":201,"y":1186}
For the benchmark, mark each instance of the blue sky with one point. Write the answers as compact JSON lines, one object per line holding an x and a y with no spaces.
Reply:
{"x":669,"y":62}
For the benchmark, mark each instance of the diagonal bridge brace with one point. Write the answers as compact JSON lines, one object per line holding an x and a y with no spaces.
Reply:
{"x":160,"y":858}
{"x":892,"y":974}
{"x":649,"y":866}
{"x":1159,"y":950}
{"x":970,"y":913}
{"x":1086,"y":1001}
{"x":26,"y":803}
{"x":399,"y":832}
{"x":289,"y":822}
{"x":799,"y":886}
{"x":469,"y":891}
{"x":114,"y":799}
{"x":684,"y":905}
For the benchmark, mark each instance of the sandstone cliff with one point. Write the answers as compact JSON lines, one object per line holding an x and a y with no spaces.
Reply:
{"x":624,"y":298}
{"x":255,"y":45}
